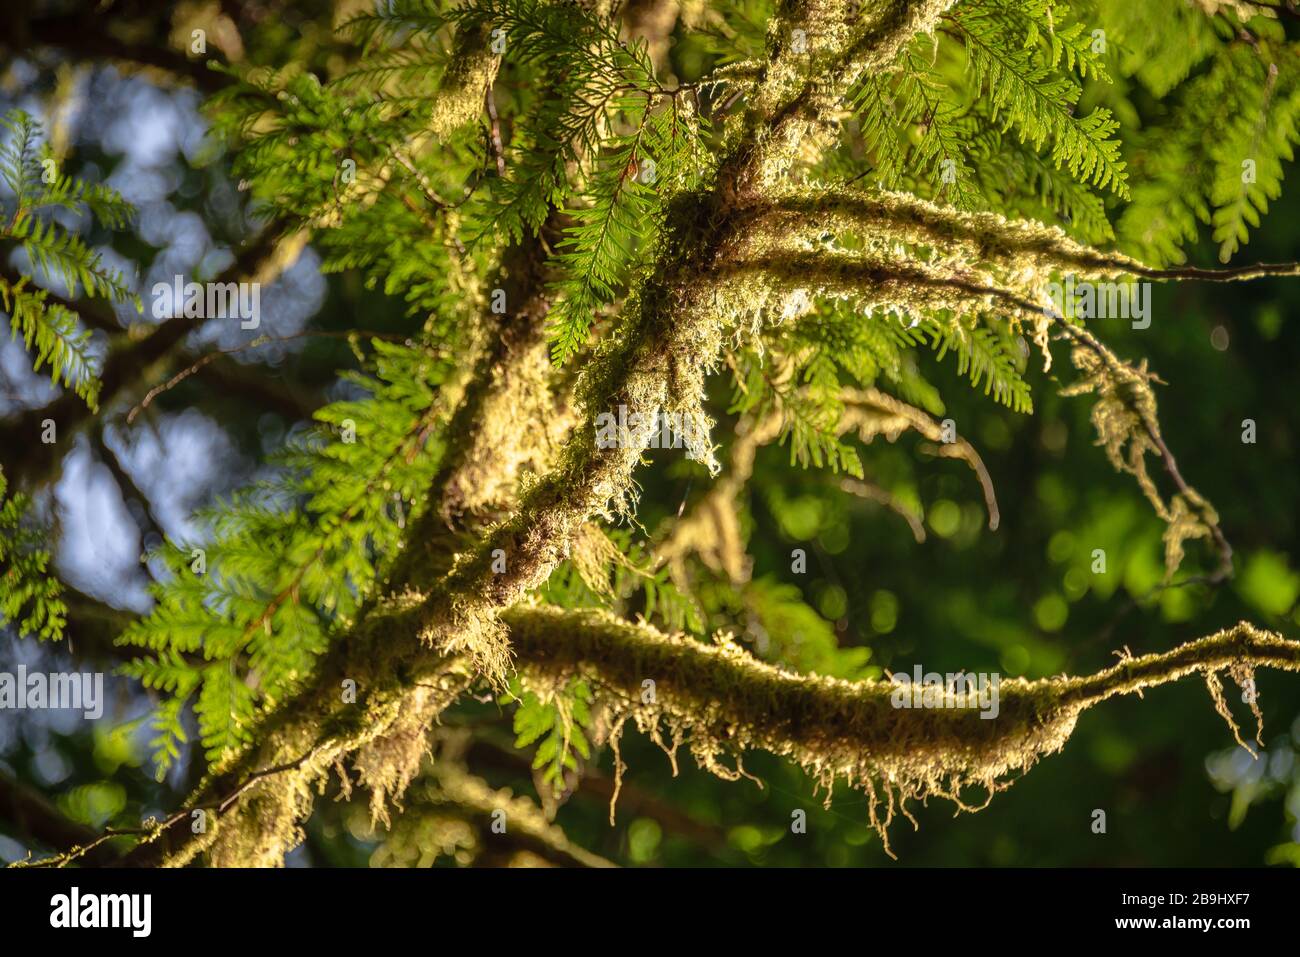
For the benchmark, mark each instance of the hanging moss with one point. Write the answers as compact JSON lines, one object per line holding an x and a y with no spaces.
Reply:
{"x":489,"y":818}
{"x":720,"y":702}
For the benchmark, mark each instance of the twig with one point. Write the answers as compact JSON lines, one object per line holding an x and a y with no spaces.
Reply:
{"x":494,"y":131}
{"x":211,"y":357}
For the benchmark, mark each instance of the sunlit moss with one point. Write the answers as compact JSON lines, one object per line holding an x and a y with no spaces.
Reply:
{"x":718,"y":701}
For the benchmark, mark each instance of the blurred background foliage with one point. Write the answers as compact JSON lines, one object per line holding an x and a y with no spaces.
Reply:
{"x":1022,"y":600}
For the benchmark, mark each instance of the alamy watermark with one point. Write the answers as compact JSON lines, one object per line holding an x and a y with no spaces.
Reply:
{"x":1083,"y":299}
{"x":657,"y":430}
{"x":23,"y":691}
{"x":933,"y":690}
{"x":73,"y":910}
{"x":212,"y":300}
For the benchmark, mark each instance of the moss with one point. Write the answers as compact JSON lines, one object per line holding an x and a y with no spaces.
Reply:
{"x":440,"y":621}
{"x":446,"y":791}
{"x":720,"y":702}
{"x":1128,"y":428}
{"x":465,"y":82}
{"x":1021,"y":249}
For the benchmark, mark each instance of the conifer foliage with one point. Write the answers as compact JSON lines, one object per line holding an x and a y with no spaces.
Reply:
{"x":800,"y":235}
{"x":47,"y":327}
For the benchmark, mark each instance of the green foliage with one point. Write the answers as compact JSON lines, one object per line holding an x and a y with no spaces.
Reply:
{"x":736,"y":32}
{"x":557,"y":722}
{"x":601,"y":140}
{"x":1161,"y":42}
{"x":94,"y":804}
{"x":241,"y":618}
{"x":610,"y":570}
{"x":1003,"y":125}
{"x":1216,"y":157}
{"x":967,"y":119}
{"x":1248,"y":154}
{"x":988,"y":355}
{"x":624,"y":197}
{"x":593,"y":77}
{"x":917,"y":97}
{"x":1026,"y":90}
{"x":30,"y":596}
{"x":50,"y":328}
{"x":810,"y":408}
{"x":323,"y":156}
{"x":836,"y":346}
{"x":1021,"y":182}
{"x":355,"y":161}
{"x":301,"y":144}
{"x":790,"y":632}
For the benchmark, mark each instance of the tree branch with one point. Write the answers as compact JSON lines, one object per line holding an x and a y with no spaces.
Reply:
{"x":723,"y":702}
{"x":92,"y":38}
{"x":1013,"y":244}
{"x":122,"y":369}
{"x":34,"y":817}
{"x":660,"y":360}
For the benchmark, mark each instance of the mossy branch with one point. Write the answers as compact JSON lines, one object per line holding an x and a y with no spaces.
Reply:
{"x":721,"y":702}
{"x":1016,"y":245}
{"x":1125,"y":413}
{"x":672,"y":335}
